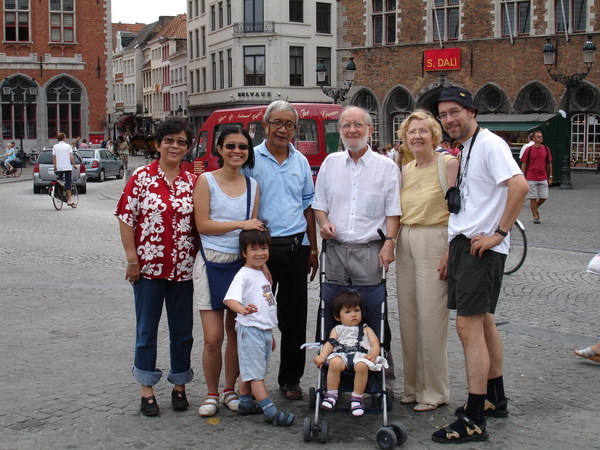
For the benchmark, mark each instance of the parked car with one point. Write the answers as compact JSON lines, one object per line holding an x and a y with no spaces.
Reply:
{"x":43,"y":172}
{"x":101,"y":163}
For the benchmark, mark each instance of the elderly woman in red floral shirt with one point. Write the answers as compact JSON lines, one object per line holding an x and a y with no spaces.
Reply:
{"x":156,"y":220}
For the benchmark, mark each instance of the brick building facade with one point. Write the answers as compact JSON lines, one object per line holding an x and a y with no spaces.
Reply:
{"x":501,"y":60}
{"x":53,"y":47}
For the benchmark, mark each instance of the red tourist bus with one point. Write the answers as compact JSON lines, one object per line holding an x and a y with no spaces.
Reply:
{"x":315,"y":137}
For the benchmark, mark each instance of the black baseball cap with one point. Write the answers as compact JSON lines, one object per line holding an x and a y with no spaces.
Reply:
{"x":459,"y":95}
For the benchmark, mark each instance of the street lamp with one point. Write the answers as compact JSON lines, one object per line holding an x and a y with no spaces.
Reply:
{"x":19,"y":92}
{"x":570,"y":82}
{"x":336,"y":94}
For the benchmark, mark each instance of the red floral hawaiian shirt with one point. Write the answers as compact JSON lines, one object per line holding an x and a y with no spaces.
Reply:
{"x":162,"y":217}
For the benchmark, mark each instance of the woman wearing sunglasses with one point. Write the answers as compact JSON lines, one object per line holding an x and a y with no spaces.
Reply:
{"x":220,"y":210}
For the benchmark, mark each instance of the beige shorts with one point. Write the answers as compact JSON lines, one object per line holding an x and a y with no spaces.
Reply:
{"x":201,"y":291}
{"x":537,"y":189}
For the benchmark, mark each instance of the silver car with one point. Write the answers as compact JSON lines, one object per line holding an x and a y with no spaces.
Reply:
{"x":101,"y":163}
{"x":43,"y":172}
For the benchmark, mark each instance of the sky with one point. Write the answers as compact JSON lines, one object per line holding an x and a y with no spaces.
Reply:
{"x":145,"y":11}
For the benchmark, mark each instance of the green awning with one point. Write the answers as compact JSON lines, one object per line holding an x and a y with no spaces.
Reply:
{"x":508,"y":126}
{"x":513,"y":122}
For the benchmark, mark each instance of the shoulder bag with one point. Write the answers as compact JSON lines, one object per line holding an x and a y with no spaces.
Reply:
{"x":220,"y":275}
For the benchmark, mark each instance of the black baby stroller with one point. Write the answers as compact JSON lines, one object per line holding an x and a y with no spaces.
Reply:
{"x":374,"y":314}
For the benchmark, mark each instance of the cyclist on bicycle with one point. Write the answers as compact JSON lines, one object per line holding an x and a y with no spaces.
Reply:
{"x":64,"y":162}
{"x":11,"y":156}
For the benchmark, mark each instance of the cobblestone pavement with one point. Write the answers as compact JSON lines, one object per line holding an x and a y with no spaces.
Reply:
{"x":67,"y":333}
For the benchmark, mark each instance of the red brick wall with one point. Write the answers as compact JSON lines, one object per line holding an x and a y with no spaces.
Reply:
{"x":484,"y":59}
{"x":90,"y":32}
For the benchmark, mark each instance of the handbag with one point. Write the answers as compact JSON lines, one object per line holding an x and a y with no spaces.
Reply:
{"x":594,"y":265}
{"x":453,"y":193}
{"x":220,"y":275}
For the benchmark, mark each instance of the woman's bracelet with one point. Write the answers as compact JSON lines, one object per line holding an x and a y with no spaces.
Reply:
{"x":132,"y":264}
{"x":314,"y":252}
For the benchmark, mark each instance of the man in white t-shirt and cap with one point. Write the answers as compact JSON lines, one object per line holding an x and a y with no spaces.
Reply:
{"x":64,"y":162}
{"x":492,"y":191}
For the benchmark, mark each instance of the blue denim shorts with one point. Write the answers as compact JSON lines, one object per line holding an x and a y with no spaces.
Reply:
{"x":254,"y":352}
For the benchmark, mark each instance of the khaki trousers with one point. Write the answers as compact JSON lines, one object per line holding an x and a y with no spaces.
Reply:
{"x":423,"y":311}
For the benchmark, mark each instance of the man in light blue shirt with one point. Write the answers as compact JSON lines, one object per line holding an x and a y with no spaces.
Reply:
{"x":286,"y":194}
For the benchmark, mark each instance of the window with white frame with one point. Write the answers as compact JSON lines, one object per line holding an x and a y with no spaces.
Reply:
{"x":446,"y":20}
{"x":384,"y":22}
{"x":296,"y":66}
{"x":323,"y":18}
{"x":62,"y":20}
{"x":571,"y":15}
{"x":16,"y":20}
{"x":297,"y":11}
{"x":254,"y":66}
{"x":516,"y":18}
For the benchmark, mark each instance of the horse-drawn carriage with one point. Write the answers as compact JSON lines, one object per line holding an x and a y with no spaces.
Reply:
{"x":144,"y":143}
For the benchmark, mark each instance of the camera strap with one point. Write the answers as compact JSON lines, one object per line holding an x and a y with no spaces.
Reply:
{"x":460,"y":172}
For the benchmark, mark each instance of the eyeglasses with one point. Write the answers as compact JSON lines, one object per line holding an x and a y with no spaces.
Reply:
{"x":278,"y":124}
{"x":232,"y":146}
{"x":180,"y":142}
{"x":454,"y":114}
{"x":356,"y":125}
{"x":420,"y":132}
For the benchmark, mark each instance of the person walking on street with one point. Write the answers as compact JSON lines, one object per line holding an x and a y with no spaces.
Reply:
{"x":286,"y":189}
{"x":64,"y":163}
{"x":492,"y":191}
{"x":537,"y":168}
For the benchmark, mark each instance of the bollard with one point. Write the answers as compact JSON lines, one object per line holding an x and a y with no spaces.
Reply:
{"x":128,"y":173}
{"x":565,"y":182}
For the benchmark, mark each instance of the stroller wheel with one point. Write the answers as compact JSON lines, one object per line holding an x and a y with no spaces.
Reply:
{"x":386,"y":438}
{"x":312,"y":397}
{"x":307,"y":429}
{"x":324,"y":431}
{"x":400,"y":431}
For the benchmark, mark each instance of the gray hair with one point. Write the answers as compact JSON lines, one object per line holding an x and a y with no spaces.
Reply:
{"x":280,"y":105}
{"x":368,"y":118}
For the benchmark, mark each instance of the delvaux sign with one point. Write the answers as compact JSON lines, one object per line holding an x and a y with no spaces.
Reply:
{"x":442,"y":59}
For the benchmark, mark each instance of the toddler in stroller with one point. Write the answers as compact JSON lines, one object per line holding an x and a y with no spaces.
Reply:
{"x":351,"y":346}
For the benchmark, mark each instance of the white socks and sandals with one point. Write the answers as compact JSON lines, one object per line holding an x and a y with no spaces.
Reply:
{"x":357,"y":408}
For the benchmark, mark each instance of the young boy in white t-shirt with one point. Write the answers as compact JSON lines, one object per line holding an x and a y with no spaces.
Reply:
{"x":250,"y":296}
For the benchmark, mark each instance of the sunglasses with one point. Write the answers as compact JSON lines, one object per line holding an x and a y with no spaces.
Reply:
{"x":231,"y":146}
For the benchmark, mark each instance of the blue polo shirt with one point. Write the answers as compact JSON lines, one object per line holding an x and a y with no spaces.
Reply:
{"x":286,"y":190}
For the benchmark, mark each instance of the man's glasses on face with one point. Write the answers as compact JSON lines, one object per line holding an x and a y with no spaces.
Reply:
{"x":180,"y":142}
{"x":454,"y":114}
{"x":356,"y":125}
{"x":278,"y":124}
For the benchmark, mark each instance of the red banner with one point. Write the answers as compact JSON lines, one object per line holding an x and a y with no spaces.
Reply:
{"x":442,"y":59}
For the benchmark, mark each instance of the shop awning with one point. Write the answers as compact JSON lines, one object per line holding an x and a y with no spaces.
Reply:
{"x":513,"y":122}
{"x":126,"y":120}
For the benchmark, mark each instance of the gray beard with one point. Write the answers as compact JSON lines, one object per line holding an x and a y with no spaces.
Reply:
{"x":359,"y":146}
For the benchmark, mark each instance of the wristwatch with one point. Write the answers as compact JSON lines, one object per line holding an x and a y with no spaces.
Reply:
{"x":501,"y":233}
{"x":393,"y":239}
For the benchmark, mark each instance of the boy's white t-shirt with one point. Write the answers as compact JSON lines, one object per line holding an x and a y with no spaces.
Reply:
{"x":251,"y":286}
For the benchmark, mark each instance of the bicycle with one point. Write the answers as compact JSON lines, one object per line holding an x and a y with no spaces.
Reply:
{"x":57,"y":191}
{"x":16,"y":171}
{"x":518,"y":248}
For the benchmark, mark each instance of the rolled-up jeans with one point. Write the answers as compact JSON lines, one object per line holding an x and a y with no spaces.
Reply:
{"x":149,"y":298}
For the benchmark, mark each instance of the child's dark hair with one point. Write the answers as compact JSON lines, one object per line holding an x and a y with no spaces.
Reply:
{"x":348,"y":299}
{"x":237,"y":130}
{"x":254,"y":237}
